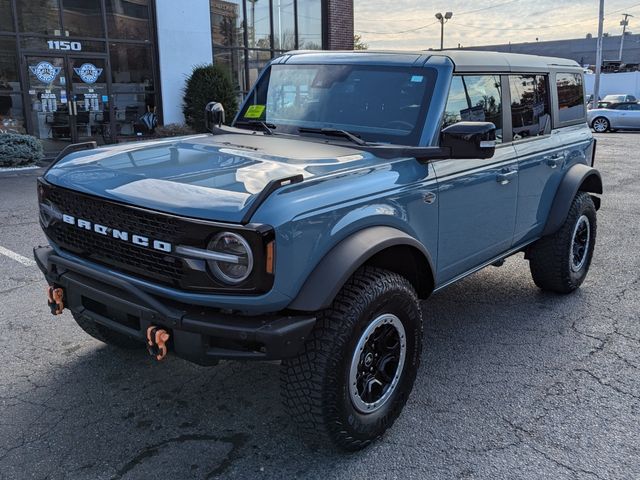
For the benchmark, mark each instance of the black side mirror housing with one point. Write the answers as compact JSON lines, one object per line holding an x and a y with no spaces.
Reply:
{"x":213,"y":116}
{"x":470,"y":139}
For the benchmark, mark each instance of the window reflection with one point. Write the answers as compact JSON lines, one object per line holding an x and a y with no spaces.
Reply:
{"x":284,"y":26}
{"x":256,"y":38}
{"x":226,"y":21}
{"x":310,"y":24}
{"x":42,"y":16}
{"x":83,"y":18}
{"x":258,"y":24}
{"x":475,"y":98}
{"x":131,"y":66}
{"x":529,"y":106}
{"x":6,"y":20}
{"x":128,"y":19}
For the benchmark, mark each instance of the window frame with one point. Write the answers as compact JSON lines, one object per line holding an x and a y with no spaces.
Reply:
{"x":556,"y":100}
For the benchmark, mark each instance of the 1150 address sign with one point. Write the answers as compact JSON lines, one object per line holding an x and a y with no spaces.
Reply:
{"x":64,"y":45}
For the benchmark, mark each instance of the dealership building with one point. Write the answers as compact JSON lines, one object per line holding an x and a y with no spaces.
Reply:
{"x":107,"y":70}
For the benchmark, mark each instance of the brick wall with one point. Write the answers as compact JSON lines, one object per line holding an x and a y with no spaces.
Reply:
{"x":339,"y":24}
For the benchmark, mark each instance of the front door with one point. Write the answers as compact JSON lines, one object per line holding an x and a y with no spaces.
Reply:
{"x":68,"y":100}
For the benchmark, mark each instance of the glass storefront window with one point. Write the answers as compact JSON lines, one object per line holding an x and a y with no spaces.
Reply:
{"x":128,"y":19}
{"x":284,"y":25}
{"x":233,"y":61}
{"x":134,"y":114}
{"x":258,"y":24}
{"x":310,"y":24}
{"x":257,"y":61}
{"x":39,"y":16}
{"x":6,"y":19}
{"x":11,"y":116}
{"x":82,"y":18}
{"x":131,"y":67}
{"x":263,"y":39}
{"x":9,"y":63}
{"x":226,"y":22}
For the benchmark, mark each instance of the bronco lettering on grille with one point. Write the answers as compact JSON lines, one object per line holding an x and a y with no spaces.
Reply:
{"x":136,"y":239}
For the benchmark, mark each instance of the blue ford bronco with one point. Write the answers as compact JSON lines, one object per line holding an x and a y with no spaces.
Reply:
{"x":348,"y":188}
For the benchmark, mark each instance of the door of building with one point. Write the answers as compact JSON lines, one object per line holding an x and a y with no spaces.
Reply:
{"x":68,"y":100}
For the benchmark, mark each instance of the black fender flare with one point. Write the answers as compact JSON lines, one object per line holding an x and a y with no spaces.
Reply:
{"x":333,"y":271}
{"x":579,"y":177}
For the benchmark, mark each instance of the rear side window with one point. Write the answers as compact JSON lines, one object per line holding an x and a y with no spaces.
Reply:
{"x":530,"y":115}
{"x":475,"y":98}
{"x":570,"y":97}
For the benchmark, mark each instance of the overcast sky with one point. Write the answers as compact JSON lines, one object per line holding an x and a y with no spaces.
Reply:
{"x":410,"y":24}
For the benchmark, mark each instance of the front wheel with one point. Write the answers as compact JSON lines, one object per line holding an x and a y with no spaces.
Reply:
{"x":600,"y":125}
{"x":559,"y":262}
{"x":358,"y":367}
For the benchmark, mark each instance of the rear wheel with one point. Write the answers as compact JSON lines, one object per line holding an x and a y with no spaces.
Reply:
{"x":358,"y":367}
{"x":600,"y":124}
{"x":105,"y":335}
{"x":560,"y":262}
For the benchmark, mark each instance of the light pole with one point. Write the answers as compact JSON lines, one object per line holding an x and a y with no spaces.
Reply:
{"x":596,"y":83}
{"x":443,"y":19}
{"x":624,"y":24}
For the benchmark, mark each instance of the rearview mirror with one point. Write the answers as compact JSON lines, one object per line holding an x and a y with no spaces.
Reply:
{"x":213,"y":115}
{"x":470,"y":139}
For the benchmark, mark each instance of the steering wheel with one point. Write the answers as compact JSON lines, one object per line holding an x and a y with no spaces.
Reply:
{"x":399,"y":123}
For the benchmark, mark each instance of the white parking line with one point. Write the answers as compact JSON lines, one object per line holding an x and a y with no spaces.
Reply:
{"x":17,"y":257}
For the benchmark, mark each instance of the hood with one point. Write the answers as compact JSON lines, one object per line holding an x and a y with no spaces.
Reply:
{"x":201,"y":176}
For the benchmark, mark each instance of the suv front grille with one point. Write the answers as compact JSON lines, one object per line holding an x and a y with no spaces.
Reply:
{"x":130,"y":258}
{"x":145,"y":262}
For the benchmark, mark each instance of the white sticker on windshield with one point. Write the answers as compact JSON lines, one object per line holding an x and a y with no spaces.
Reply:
{"x":417,"y":78}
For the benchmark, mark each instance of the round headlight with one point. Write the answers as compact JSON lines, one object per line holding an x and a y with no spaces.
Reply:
{"x":237,"y":265}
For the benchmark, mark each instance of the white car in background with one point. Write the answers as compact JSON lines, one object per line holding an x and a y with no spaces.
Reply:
{"x":619,"y":98}
{"x":615,"y":116}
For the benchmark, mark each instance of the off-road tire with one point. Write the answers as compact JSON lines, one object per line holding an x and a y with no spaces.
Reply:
{"x":105,"y":335}
{"x":315,"y":384}
{"x":550,"y":257}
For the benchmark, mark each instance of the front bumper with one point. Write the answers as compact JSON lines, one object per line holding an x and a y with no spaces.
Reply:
{"x":198,"y":334}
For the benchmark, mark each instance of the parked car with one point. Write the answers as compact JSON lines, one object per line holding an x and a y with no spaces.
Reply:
{"x":615,"y":116}
{"x":619,"y":98}
{"x":350,"y":187}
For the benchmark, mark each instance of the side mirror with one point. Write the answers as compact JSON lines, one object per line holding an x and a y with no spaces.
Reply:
{"x":470,"y":139}
{"x":213,"y":115}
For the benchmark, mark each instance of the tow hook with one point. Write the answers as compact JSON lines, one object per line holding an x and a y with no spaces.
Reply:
{"x":55,"y":299}
{"x":157,"y":339}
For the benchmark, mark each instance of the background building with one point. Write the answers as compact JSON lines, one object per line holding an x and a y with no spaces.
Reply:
{"x":582,"y":50}
{"x":104,"y":70}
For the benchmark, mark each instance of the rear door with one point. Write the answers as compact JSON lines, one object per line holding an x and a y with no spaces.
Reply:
{"x":477,"y":197}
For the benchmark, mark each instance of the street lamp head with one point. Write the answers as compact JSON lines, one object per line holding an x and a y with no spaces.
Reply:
{"x":448,"y":15}
{"x":439,"y":16}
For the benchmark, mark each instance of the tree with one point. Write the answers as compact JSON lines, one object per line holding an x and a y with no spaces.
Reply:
{"x":208,"y":83}
{"x":358,"y":43}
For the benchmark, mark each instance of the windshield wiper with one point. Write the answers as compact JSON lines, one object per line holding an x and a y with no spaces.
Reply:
{"x":267,"y":128}
{"x":334,"y":132}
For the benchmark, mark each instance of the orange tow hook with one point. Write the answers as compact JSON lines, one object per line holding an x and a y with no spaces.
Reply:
{"x":55,"y":297}
{"x":157,"y":339}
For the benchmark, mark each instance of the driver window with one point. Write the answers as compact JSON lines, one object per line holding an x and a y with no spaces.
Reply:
{"x":475,"y":98}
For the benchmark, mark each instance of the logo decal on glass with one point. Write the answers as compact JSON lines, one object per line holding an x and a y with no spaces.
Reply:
{"x":88,"y":72}
{"x":45,"y":72}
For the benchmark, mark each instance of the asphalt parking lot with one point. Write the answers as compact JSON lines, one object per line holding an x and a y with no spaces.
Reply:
{"x":515,"y":383}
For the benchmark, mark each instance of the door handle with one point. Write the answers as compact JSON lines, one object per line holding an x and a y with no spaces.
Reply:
{"x":505,"y":177}
{"x":552,"y":160}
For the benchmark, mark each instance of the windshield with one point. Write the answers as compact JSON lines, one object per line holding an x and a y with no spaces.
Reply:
{"x":378,"y":104}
